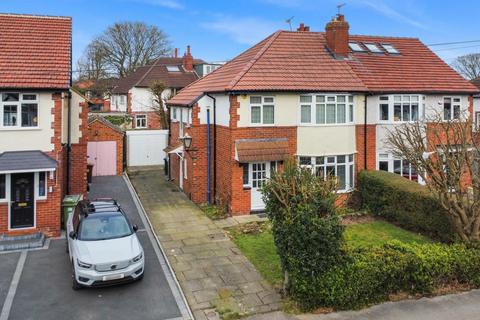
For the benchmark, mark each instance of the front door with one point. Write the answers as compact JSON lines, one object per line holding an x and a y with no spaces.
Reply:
{"x":22,"y":204}
{"x":259,"y":173}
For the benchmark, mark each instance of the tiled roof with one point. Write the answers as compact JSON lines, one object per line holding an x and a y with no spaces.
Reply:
{"x":299,"y":61}
{"x":249,"y":150}
{"x":476,"y":82}
{"x":35,"y":51}
{"x":144,"y":76}
{"x":25,"y":160}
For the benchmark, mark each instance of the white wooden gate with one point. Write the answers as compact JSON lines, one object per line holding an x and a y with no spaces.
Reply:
{"x":145,"y":147}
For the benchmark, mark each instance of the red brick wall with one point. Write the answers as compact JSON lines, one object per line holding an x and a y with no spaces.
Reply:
{"x":78,"y":156}
{"x":98,"y":131}
{"x":371,"y":147}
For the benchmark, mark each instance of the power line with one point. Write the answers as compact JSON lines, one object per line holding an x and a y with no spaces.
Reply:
{"x":451,"y":43}
{"x":464,"y":47}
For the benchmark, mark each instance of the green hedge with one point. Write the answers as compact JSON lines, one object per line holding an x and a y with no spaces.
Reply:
{"x":405,"y":203}
{"x":368,"y":276}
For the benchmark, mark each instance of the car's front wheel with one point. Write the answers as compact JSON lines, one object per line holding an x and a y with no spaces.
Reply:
{"x":75,"y":284}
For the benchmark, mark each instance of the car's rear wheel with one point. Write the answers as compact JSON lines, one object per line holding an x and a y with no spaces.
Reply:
{"x":75,"y":284}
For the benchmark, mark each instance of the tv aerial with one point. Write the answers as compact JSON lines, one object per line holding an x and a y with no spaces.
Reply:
{"x":289,"y":21}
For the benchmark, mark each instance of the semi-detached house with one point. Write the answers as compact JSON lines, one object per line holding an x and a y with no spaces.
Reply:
{"x":326,"y":98}
{"x":43,"y":145}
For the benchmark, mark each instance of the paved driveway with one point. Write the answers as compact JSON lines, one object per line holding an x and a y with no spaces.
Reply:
{"x":37,"y":284}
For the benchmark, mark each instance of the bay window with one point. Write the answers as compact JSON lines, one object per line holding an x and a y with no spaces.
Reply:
{"x":326,"y":109}
{"x":18,"y":110}
{"x":262,"y":110}
{"x":340,"y":166}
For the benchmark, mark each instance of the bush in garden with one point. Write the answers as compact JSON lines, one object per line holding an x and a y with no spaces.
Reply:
{"x":405,"y":203}
{"x":306,"y":229}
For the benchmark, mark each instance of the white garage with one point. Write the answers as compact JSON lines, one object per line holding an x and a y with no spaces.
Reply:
{"x":145,"y":147}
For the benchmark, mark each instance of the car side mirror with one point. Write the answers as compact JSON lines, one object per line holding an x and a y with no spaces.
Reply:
{"x":135,"y":228}
{"x":72,"y":234}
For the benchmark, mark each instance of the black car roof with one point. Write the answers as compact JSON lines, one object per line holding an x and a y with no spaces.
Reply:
{"x":101,"y":205}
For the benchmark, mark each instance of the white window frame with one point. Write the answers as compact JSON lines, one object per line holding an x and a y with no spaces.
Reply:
{"x":356,"y":46}
{"x":349,"y":165}
{"x":5,"y":198}
{"x":393,"y":99}
{"x":390,"y":159}
{"x":316,"y":100}
{"x":390,"y":48}
{"x":37,"y":186}
{"x":261,"y":105}
{"x":18,"y":104}
{"x":453,"y":104}
{"x":143,"y":117}
{"x":173,"y":69}
{"x":370,"y":45}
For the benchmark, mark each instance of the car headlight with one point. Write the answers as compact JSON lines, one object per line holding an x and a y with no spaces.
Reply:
{"x":138,"y":258}
{"x":84,"y":264}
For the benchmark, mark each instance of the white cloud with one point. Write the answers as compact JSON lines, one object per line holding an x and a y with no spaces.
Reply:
{"x":171,"y":4}
{"x":390,"y":12}
{"x":247,"y":30}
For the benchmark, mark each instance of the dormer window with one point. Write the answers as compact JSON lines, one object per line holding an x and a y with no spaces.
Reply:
{"x":390,"y":48}
{"x":355,"y":47}
{"x":173,"y":69}
{"x":373,"y":47}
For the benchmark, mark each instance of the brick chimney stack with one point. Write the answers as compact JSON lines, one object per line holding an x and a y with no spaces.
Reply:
{"x":336,"y":33}
{"x":175,"y":54}
{"x":188,"y":60}
{"x":303,"y":27}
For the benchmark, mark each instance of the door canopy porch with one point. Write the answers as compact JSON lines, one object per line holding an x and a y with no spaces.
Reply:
{"x":26,"y":161}
{"x":255,"y":150}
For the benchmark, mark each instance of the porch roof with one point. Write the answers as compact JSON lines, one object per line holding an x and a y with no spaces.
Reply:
{"x":26,"y":161}
{"x":249,"y":150}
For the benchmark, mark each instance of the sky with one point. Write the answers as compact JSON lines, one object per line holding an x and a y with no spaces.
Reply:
{"x":220,"y":30}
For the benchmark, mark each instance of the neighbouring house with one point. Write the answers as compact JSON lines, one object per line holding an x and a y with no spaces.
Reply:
{"x":133,"y":96}
{"x":43,"y":141}
{"x":325,"y":98}
{"x":476,"y":103}
{"x":97,"y":92}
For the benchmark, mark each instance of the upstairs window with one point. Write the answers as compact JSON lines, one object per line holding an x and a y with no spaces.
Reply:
{"x":405,"y":108}
{"x":326,"y":109}
{"x":384,"y":109}
{"x":173,"y":69}
{"x":390,"y":48}
{"x":451,"y":108}
{"x":262,"y":110}
{"x":373,"y":47}
{"x":355,"y":47}
{"x":19,"y":110}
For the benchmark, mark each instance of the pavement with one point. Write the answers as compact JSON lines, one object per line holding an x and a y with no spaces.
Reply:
{"x":36,"y":284}
{"x":212,"y":271}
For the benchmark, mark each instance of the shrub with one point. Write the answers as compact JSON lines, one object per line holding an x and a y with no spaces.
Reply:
{"x":404,"y":202}
{"x":367,"y":276}
{"x":306,"y":229}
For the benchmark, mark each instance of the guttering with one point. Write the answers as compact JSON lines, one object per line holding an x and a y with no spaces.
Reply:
{"x":214,"y":146}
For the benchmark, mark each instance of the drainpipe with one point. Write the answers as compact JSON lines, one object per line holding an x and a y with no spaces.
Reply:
{"x":365,"y":132}
{"x":209,"y":163}
{"x":214,"y":147}
{"x":69,"y":138}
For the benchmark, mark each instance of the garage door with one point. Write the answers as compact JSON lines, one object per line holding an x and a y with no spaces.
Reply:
{"x":145,"y":147}
{"x":103,"y":156}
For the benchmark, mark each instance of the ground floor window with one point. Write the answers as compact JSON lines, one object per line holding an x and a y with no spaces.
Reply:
{"x":386,"y":162}
{"x":140,"y":121}
{"x":340,"y":166}
{"x":42,"y":185}
{"x":3,"y":187}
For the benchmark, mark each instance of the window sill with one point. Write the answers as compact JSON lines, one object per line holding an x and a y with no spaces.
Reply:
{"x":247,"y":187}
{"x":20,"y":128}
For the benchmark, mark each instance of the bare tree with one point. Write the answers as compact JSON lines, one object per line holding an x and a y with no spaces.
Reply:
{"x":468,"y":65}
{"x":93,"y":64}
{"x":125,"y":46}
{"x":160,"y":96}
{"x":445,"y":154}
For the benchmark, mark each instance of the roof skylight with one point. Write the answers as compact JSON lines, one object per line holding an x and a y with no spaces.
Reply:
{"x":173,"y":69}
{"x":373,"y":47}
{"x":390,"y":49}
{"x":355,"y":47}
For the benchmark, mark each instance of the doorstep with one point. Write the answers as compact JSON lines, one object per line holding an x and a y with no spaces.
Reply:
{"x":22,"y":242}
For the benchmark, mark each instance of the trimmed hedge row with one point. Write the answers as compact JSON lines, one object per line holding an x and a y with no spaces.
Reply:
{"x":405,"y":203}
{"x":368,"y":276}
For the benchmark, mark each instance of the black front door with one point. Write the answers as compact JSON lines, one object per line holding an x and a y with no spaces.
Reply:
{"x":22,"y":209}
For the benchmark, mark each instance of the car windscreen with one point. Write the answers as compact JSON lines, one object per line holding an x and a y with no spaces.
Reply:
{"x":103,"y":226}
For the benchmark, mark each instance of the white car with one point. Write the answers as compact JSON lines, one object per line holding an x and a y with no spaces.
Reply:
{"x":103,"y":245}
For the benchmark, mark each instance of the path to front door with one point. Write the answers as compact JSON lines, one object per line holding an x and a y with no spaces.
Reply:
{"x":210,"y":268}
{"x":22,"y":200}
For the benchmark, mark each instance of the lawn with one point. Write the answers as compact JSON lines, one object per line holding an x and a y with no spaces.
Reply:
{"x":260,"y":249}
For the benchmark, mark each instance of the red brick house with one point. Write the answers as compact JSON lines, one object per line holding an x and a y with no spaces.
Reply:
{"x":42,"y":124}
{"x":326,"y":98}
{"x":132,"y":95}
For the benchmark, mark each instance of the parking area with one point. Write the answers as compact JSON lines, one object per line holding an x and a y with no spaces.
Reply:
{"x":37,"y":284}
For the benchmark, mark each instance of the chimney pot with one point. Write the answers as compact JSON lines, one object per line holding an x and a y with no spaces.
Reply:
{"x":336,"y":34}
{"x":303,"y":27}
